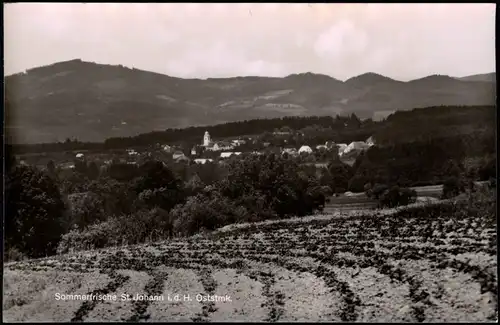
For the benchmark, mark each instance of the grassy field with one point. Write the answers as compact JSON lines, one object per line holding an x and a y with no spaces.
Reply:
{"x":360,"y":202}
{"x":345,"y":266}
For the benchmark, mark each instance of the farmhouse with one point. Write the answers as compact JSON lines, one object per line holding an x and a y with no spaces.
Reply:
{"x":238,"y":142}
{"x":67,"y":165}
{"x":342,"y":147}
{"x":229,"y":154}
{"x":222,"y":146}
{"x":202,"y":160}
{"x":356,"y":145}
{"x":290,"y":151}
{"x":178,"y":154}
{"x":305,"y":149}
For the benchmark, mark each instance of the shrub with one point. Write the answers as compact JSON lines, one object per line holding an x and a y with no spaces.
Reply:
{"x":85,"y":209}
{"x":396,"y":196}
{"x":139,"y":227}
{"x":452,"y":187}
{"x":376,"y":191}
{"x":202,"y":211}
{"x":14,"y":255}
{"x":357,"y":184}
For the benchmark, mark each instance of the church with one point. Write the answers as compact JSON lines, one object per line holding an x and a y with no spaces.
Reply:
{"x":208,"y":144}
{"x":207,"y":141}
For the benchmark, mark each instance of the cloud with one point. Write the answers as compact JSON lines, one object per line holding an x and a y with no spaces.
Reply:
{"x":402,"y":41}
{"x":341,"y":39}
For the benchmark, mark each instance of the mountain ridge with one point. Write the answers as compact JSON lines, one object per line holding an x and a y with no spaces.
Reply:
{"x":91,"y":102}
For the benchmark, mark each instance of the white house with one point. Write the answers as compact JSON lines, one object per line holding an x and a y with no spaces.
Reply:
{"x":178,"y":154}
{"x":305,"y":149}
{"x":238,"y":142}
{"x":290,"y":151}
{"x":202,"y":160}
{"x":67,"y":165}
{"x":79,"y":155}
{"x":167,"y":148}
{"x":342,"y":147}
{"x":229,"y":154}
{"x":221,"y":146}
{"x":356,"y":145}
{"x":321,"y":146}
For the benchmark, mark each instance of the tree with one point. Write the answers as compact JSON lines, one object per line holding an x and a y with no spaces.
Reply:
{"x":93,"y":171}
{"x":357,"y":184}
{"x":33,"y":212}
{"x":51,"y":169}
{"x":194,"y":185}
{"x":86,"y":209}
{"x":452,"y":187}
{"x":81,"y":167}
{"x":158,"y":186}
{"x":341,"y":173}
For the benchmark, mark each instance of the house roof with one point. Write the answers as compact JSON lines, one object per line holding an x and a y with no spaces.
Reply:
{"x":202,"y":160}
{"x":224,"y":144}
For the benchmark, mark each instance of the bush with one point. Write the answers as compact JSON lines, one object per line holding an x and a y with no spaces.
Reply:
{"x":396,"y":196}
{"x":452,"y":187}
{"x":376,"y":191}
{"x":157,"y":187}
{"x":202,"y":211}
{"x":14,"y":255}
{"x":85,"y":209}
{"x":357,"y":184}
{"x":140,"y":227}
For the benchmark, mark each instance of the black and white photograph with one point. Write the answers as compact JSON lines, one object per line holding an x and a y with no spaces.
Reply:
{"x":250,"y":162}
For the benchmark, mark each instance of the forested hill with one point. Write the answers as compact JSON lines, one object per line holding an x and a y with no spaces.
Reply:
{"x":402,"y":126}
{"x":92,"y":102}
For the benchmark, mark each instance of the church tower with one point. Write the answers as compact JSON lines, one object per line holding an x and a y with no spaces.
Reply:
{"x":206,"y":139}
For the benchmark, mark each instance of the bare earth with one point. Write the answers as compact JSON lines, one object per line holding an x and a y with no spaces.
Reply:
{"x":323,"y":268}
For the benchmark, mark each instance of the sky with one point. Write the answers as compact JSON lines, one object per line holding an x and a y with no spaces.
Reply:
{"x":200,"y":40}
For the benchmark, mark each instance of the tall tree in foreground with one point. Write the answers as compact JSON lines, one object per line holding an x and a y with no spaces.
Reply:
{"x":33,"y":212}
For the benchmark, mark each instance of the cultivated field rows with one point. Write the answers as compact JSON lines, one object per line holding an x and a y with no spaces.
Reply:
{"x":374,"y":268}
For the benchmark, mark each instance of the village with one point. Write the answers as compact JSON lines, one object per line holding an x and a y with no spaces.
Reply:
{"x":208,"y":150}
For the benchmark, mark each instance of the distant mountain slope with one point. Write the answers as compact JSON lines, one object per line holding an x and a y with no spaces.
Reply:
{"x":486,"y":77}
{"x":370,"y":79}
{"x":92,"y":102}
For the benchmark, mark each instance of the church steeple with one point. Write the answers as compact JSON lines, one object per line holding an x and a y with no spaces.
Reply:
{"x":206,"y":139}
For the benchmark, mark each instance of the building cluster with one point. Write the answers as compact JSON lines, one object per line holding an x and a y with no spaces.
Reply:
{"x":210,"y":150}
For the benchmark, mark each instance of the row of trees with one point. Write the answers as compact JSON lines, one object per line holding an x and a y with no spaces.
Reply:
{"x":342,"y":125}
{"x":42,"y":214}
